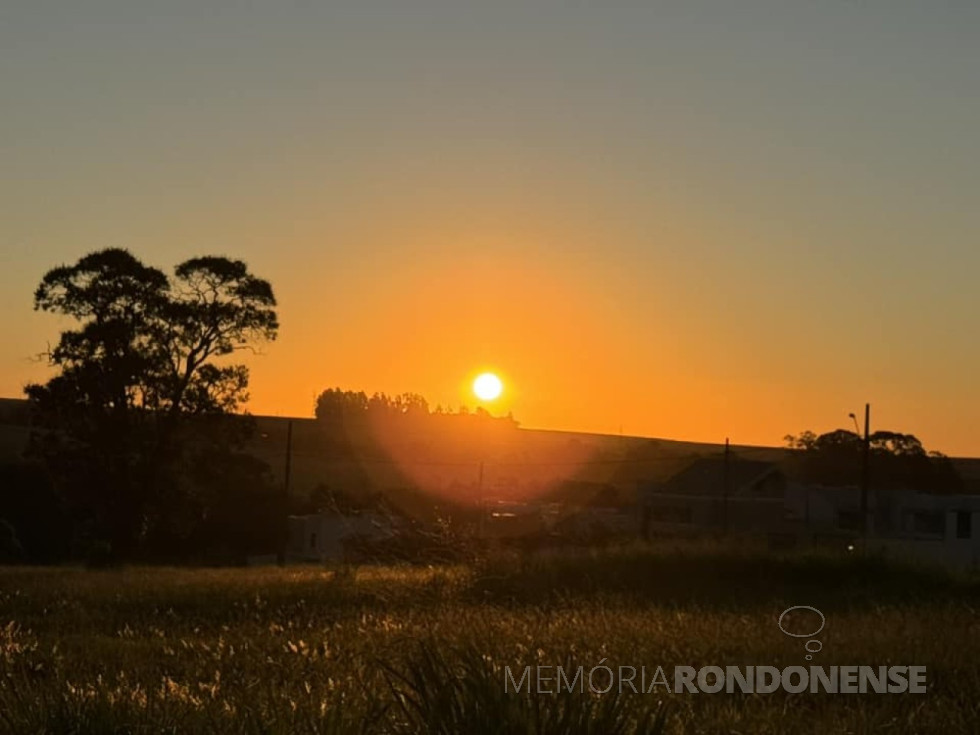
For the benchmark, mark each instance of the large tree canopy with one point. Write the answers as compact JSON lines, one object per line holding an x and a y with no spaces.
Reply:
{"x":147,"y":340}
{"x":896,"y":461}
{"x":146,"y":352}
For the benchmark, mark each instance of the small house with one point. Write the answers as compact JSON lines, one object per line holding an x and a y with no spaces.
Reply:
{"x":325,"y":536}
{"x":715,"y":493}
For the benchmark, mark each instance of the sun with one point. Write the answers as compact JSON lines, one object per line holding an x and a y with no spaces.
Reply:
{"x":487,"y":386}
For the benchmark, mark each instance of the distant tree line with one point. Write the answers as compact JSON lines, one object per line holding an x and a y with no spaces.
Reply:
{"x":346,"y":407}
{"x":136,"y":449}
{"x":335,"y":404}
{"x":896,"y":461}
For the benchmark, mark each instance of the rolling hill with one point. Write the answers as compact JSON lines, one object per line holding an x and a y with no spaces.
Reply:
{"x":513,"y":465}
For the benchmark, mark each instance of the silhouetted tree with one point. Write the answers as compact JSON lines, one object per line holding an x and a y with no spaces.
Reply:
{"x":897,"y":461}
{"x":411,"y":404}
{"x":338,"y":405}
{"x":139,"y":363}
{"x":345,"y":409}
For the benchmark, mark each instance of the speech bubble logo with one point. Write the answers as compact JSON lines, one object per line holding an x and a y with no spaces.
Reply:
{"x":811,"y":646}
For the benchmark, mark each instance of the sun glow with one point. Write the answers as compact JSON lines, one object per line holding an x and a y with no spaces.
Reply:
{"x":487,"y":387}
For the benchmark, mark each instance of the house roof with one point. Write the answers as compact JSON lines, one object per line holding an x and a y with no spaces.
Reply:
{"x":706,"y":476}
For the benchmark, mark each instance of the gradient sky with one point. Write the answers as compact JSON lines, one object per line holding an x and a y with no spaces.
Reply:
{"x":686,"y":220}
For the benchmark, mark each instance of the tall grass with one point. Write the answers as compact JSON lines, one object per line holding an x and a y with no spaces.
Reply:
{"x":398,"y":649}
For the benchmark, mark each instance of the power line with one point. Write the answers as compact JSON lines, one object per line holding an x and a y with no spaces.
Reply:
{"x":517,"y":464}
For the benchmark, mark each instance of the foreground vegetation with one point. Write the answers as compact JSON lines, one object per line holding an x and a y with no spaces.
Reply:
{"x":416,"y":649}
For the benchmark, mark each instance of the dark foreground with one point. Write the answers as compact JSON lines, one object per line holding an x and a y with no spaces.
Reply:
{"x":409,"y":649}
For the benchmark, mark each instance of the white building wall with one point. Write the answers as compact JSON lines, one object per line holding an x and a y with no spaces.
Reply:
{"x":322,"y":536}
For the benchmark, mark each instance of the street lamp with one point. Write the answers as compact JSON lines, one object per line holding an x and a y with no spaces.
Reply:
{"x":867,"y":526}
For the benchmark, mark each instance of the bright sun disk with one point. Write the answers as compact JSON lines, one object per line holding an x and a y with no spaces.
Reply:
{"x":487,"y":386}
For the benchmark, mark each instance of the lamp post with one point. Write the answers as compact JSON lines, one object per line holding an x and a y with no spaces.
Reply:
{"x":866,"y":473}
{"x":867,"y":524}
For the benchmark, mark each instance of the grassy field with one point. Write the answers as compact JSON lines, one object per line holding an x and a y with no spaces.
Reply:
{"x":417,"y":649}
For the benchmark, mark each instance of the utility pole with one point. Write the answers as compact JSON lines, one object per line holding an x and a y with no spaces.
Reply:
{"x":867,"y":521}
{"x":725,"y":490}
{"x":289,"y":457}
{"x":482,"y":504}
{"x":284,"y":540}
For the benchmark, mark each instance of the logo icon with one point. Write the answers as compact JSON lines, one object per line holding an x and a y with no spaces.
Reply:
{"x":811,"y":646}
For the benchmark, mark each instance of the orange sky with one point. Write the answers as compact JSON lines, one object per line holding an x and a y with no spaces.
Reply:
{"x":682,"y":222}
